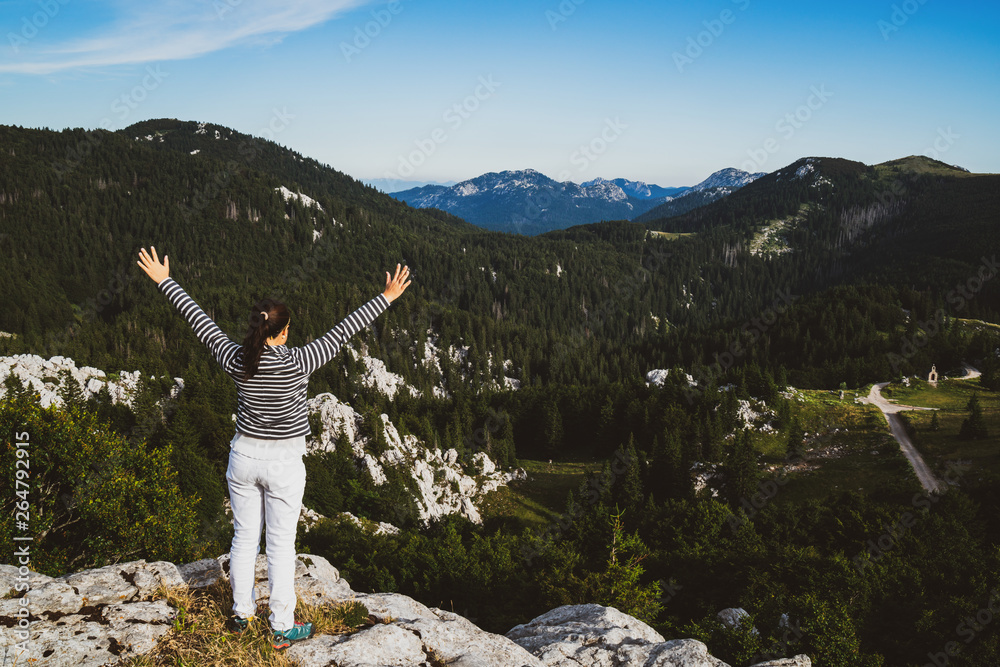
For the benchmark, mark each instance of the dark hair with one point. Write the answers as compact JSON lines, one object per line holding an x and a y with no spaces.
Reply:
{"x":262,"y":328}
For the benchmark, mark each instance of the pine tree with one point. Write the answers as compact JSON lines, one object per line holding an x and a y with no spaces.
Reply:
{"x":974,"y":426}
{"x":935,"y":425}
{"x":70,"y":390}
{"x":741,"y":470}
{"x":629,"y":486}
{"x":796,"y":440}
{"x":712,"y":444}
{"x":620,"y":584}
{"x":553,"y":425}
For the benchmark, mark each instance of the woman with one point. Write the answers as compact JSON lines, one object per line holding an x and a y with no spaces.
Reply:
{"x":266,"y":474}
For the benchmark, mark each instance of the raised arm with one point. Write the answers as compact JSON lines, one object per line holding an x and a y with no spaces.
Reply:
{"x":310,"y":357}
{"x":218,"y":343}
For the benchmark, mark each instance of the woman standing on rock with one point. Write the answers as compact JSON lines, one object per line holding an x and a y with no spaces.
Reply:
{"x":266,"y":474}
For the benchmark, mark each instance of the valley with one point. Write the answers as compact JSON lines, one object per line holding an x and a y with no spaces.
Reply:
{"x":602,"y":412}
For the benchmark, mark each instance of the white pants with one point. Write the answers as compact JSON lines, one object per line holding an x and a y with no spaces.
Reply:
{"x":265,"y":491}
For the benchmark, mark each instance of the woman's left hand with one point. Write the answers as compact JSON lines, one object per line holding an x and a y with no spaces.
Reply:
{"x":152,"y":266}
{"x":395,"y":286}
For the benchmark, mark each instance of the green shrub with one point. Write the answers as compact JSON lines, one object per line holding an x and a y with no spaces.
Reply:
{"x":93,"y":498}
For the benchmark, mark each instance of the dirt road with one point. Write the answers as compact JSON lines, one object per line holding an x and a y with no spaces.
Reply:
{"x":927,"y":479}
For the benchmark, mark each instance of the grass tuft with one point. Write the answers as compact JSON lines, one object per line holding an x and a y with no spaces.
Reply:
{"x":200,"y":637}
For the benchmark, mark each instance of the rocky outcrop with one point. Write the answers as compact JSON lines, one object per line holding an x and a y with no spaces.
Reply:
{"x":87,"y":618}
{"x":100,"y":616}
{"x":309,"y":518}
{"x":442,"y":482}
{"x":43,"y":376}
{"x":377,"y":376}
{"x":590,"y":635}
{"x":442,"y":485}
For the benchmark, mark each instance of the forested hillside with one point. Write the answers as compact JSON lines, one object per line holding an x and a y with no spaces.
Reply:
{"x":824,"y":275}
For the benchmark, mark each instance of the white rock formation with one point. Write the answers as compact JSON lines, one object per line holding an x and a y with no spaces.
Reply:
{"x":658,"y":376}
{"x":375,"y":527}
{"x":380,"y":378}
{"x":87,"y":618}
{"x":433,"y":354}
{"x":100,"y":616}
{"x":443,"y":487}
{"x":42,"y":375}
{"x":594,"y":636}
{"x":734,"y":617}
{"x":306,"y":200}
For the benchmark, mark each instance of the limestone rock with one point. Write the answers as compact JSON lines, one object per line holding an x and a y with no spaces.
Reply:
{"x":373,"y":527}
{"x":442,"y":485}
{"x":377,"y":646}
{"x":10,"y":577}
{"x":56,"y":597}
{"x":454,"y":640}
{"x":734,"y":617}
{"x":201,"y":573}
{"x":388,"y":607}
{"x":595,"y":636}
{"x":801,"y":660}
{"x":98,"y":617}
{"x":42,"y":375}
{"x":92,"y":617}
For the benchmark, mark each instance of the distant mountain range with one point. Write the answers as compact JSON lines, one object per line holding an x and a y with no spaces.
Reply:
{"x":640,"y":190}
{"x":391,"y":185}
{"x":529,"y":202}
{"x":720,"y":184}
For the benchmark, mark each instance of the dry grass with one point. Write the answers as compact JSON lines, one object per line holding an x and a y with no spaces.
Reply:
{"x":200,"y":637}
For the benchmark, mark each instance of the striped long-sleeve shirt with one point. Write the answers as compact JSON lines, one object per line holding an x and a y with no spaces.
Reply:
{"x":272,"y":404}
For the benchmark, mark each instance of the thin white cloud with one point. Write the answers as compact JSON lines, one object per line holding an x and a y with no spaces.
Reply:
{"x":175,"y":30}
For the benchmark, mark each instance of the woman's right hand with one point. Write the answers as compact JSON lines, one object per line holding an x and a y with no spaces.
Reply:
{"x":395,"y":285}
{"x":151,"y":265}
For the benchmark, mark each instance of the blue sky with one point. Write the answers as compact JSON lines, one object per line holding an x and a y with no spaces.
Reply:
{"x":428,"y":90}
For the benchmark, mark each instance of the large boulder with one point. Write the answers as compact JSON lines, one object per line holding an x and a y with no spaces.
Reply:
{"x":101,"y":616}
{"x":87,"y":618}
{"x":798,"y":661}
{"x":589,"y":635}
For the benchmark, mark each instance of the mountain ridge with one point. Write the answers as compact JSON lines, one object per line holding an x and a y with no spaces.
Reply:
{"x":528,"y":202}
